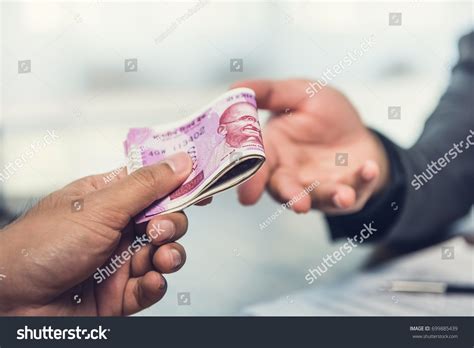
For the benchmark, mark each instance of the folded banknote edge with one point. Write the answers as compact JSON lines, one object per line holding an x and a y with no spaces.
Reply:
{"x":204,"y":193}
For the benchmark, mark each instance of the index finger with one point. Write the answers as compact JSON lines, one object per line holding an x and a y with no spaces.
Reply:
{"x":277,"y":95}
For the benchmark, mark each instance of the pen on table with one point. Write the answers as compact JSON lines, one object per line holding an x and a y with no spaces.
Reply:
{"x":431,"y":287}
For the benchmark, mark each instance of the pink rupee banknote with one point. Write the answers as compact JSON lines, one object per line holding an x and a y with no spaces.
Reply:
{"x":224,"y":141}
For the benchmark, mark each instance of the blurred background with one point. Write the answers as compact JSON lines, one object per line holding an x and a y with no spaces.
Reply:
{"x":63,"y":69}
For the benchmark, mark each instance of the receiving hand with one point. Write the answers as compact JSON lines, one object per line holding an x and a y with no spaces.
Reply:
{"x":301,"y":142}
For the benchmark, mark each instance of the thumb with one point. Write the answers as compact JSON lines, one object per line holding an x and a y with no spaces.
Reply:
{"x":141,"y":188}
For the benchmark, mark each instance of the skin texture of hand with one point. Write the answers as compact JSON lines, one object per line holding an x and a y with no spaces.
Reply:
{"x":50,"y":254}
{"x":301,"y":141}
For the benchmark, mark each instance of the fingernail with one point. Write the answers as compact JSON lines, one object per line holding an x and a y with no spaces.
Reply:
{"x":162,"y":231}
{"x":163,"y":283}
{"x":337,"y":201}
{"x":179,"y":162}
{"x":175,"y":258}
{"x":368,"y":172}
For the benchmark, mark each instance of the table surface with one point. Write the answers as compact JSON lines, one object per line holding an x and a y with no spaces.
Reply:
{"x":366,"y":293}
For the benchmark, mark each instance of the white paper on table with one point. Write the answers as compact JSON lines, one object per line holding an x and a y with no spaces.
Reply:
{"x":366,"y":294}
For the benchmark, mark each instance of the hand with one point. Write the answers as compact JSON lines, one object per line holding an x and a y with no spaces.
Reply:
{"x":301,"y":142}
{"x":51,"y":256}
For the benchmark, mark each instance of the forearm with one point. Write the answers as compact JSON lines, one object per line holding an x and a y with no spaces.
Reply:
{"x":432,"y":189}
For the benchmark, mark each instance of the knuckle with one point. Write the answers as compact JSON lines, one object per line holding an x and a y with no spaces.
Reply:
{"x":144,"y":177}
{"x":152,"y":176}
{"x":183,"y":222}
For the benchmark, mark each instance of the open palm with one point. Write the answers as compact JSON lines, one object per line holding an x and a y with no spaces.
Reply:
{"x":309,"y":140}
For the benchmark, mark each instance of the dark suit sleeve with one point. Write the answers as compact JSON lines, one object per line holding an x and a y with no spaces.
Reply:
{"x":431,"y":183}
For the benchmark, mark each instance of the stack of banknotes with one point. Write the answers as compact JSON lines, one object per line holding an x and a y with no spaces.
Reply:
{"x":224,"y":141}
